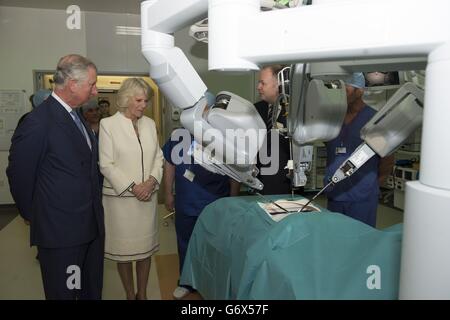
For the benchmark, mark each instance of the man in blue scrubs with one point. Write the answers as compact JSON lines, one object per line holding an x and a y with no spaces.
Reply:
{"x":356,"y":196}
{"x":195,"y":188}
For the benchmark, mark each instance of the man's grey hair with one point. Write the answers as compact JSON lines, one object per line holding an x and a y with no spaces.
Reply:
{"x":72,"y":66}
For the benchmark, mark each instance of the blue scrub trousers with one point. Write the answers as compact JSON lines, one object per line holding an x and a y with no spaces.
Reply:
{"x":364,"y":211}
{"x":184,"y":226}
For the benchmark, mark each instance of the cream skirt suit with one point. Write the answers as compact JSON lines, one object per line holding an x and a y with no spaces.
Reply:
{"x":131,"y":226}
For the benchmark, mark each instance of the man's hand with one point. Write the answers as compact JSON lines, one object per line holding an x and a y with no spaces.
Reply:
{"x":169,"y":202}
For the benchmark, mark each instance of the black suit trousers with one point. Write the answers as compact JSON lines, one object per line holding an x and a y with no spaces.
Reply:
{"x":74,"y":272}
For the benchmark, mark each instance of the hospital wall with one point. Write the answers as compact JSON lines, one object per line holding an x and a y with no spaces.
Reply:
{"x":34,"y":39}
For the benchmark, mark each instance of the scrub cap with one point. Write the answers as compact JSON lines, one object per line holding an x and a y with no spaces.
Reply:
{"x":356,"y":80}
{"x":40,"y":96}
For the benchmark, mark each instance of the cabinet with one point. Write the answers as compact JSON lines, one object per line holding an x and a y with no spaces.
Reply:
{"x":406,"y":169}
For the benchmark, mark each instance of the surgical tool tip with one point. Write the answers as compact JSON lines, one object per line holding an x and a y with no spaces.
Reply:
{"x":313,"y":198}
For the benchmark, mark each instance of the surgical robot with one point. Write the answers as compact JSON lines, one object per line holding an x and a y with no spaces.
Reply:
{"x":320,"y":115}
{"x":391,"y":35}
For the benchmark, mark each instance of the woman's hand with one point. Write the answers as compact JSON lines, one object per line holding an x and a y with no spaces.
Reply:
{"x":144,"y":191}
{"x":140,"y":192}
{"x":151,"y":184}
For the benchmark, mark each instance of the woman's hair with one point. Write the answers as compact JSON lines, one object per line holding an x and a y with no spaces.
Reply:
{"x":129,"y":89}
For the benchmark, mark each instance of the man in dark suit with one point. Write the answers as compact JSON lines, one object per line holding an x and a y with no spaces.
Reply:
{"x":53,"y":179}
{"x":91,"y":114}
{"x":276,"y":181}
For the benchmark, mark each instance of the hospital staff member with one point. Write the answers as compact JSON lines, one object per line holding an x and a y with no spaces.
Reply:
{"x":356,"y":196}
{"x":195,"y":188}
{"x":35,"y":100}
{"x":275,"y":119}
{"x":91,"y":113}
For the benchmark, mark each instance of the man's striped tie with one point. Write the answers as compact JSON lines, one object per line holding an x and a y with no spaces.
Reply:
{"x":270,"y":119}
{"x":80,"y":126}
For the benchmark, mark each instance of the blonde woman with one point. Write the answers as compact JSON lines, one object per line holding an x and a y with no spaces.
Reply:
{"x":132,"y":164}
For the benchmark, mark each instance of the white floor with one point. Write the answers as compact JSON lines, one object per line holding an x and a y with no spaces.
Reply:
{"x":20,"y":276}
{"x":20,"y":273}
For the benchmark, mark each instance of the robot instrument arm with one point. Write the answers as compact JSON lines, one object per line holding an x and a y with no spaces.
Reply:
{"x":203,"y":115}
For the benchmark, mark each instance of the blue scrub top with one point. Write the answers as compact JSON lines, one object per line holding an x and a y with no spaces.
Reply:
{"x":363,"y":184}
{"x":206,"y":187}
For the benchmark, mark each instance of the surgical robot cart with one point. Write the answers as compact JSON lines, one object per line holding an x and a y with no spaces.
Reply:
{"x":396,"y":35}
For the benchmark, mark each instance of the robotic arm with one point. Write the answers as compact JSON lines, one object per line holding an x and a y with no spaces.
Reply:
{"x":211,"y":120}
{"x":317,"y":109}
{"x":169,"y":66}
{"x":238,"y":36}
{"x":387,"y":130}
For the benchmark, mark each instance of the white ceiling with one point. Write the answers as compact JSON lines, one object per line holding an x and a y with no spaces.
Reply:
{"x":117,"y":6}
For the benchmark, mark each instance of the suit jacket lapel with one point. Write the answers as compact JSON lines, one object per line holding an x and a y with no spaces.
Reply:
{"x":94,"y":144}
{"x":66,"y":122}
{"x":88,"y":130}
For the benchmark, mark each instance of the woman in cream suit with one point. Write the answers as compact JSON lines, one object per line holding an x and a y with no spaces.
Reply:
{"x":131,"y":162}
